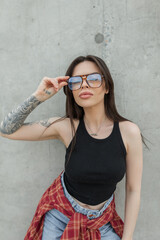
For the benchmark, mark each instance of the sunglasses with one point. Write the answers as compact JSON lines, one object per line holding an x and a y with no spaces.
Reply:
{"x":94,"y":80}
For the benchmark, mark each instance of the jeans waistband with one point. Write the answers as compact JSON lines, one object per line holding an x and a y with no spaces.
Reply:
{"x":91,"y":213}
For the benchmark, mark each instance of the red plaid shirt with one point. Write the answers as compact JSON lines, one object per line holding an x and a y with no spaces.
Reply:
{"x":79,"y":226}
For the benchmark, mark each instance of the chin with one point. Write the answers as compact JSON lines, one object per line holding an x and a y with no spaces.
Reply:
{"x":85,"y":103}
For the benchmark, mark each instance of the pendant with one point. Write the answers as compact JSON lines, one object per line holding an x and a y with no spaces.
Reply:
{"x":94,"y":134}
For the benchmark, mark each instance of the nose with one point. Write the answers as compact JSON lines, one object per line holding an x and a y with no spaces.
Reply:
{"x":84,"y":82}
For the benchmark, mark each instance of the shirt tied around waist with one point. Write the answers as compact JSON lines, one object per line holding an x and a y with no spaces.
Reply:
{"x":79,"y":226}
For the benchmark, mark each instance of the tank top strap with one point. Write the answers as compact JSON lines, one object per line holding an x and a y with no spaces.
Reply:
{"x":80,"y":123}
{"x":116,"y":123}
{"x":119,"y":136}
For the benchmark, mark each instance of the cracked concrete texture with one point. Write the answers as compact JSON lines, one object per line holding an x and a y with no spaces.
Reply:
{"x":41,"y":38}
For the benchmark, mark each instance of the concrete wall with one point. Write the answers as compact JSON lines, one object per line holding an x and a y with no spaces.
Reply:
{"x":41,"y":38}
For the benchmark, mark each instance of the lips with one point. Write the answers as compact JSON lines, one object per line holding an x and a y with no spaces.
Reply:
{"x":85,"y":93}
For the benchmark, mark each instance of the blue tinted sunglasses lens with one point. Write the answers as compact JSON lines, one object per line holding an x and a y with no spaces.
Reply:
{"x":74,"y":82}
{"x":94,"y":76}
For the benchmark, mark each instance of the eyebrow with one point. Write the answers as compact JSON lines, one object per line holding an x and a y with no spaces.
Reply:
{"x":85,"y":74}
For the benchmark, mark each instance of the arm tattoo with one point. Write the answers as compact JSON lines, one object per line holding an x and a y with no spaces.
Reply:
{"x":44,"y":123}
{"x":14,"y":120}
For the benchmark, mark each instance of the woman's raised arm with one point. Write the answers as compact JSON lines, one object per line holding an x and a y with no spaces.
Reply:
{"x":13,"y":125}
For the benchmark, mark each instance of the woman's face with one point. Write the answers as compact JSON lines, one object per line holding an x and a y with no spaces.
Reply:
{"x":83,"y":68}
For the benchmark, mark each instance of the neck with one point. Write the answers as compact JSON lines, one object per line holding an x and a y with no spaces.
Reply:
{"x":94,"y":120}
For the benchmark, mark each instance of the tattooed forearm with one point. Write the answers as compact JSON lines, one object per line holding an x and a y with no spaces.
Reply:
{"x":14,"y":120}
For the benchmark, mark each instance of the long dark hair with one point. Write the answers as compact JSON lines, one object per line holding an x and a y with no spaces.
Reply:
{"x":74,"y":111}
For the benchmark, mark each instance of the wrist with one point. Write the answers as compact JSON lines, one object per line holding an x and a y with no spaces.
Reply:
{"x":38,"y":97}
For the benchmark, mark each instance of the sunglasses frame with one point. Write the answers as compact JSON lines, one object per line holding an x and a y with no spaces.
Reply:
{"x":85,"y":77}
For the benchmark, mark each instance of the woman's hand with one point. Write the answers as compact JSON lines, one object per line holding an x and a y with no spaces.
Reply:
{"x":50,"y":86}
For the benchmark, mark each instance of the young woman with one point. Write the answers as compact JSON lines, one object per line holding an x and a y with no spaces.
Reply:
{"x":101,"y":145}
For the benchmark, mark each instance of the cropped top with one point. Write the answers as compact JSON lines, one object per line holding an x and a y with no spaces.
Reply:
{"x":95,"y":165}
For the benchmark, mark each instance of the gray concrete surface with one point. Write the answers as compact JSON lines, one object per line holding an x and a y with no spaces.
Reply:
{"x":41,"y":38}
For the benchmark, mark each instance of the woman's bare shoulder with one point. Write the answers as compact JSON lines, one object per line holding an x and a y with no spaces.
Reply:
{"x":66,"y":123}
{"x":128,"y":129}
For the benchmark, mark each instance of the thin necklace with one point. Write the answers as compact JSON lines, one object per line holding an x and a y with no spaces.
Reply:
{"x":95,"y":134}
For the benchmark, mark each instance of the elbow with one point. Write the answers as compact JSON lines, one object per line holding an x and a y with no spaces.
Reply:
{"x":5,"y":129}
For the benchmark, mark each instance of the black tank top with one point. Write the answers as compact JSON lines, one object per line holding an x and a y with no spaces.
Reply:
{"x":95,"y":165}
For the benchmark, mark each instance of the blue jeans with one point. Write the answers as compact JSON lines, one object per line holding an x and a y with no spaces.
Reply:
{"x":55,"y":222}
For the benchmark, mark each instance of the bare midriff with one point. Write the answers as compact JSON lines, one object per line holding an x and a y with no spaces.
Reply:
{"x":95,"y":207}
